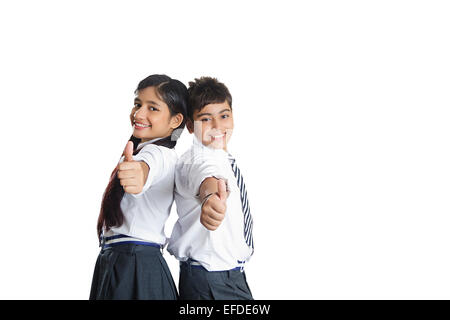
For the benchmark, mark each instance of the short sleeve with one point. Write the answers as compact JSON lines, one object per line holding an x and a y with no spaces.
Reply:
{"x":191,"y":174}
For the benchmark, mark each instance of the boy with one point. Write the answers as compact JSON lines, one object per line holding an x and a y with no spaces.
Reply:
{"x":213,"y":235}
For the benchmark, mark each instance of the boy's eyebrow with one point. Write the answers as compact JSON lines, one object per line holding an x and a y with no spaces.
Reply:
{"x":204,"y":114}
{"x":209,"y":114}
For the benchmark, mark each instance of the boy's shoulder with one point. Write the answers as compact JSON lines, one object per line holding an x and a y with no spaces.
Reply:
{"x":199,"y":154}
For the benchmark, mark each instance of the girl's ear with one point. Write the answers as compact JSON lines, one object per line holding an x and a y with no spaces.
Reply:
{"x":176,"y":120}
{"x":189,"y":125}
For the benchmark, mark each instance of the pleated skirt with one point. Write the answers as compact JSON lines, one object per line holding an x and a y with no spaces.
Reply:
{"x":132,"y":272}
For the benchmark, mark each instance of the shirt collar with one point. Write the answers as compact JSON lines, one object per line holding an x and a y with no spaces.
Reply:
{"x":142,"y":144}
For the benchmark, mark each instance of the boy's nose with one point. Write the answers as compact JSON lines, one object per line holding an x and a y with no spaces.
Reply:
{"x":216,"y":125}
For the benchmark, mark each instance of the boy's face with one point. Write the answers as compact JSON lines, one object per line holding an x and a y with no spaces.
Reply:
{"x":213,"y":125}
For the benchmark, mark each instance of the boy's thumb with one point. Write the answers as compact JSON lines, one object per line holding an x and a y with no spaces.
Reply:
{"x":222,"y":189}
{"x":128,"y":152}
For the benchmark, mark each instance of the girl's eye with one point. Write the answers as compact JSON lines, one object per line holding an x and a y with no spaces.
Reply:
{"x":205,"y":119}
{"x":137,"y":105}
{"x":152,"y":109}
{"x":225,"y":116}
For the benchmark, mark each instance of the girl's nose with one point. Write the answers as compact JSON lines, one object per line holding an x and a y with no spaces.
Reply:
{"x":140,"y":113}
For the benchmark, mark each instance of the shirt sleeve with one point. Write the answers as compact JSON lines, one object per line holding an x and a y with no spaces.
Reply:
{"x":153,"y":156}
{"x":191,"y":175}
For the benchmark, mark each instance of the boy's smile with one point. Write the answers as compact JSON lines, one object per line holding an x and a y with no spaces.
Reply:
{"x":213,"y":125}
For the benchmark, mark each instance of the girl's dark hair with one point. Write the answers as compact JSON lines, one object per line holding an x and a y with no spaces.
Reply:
{"x":206,"y":90}
{"x":174,"y":94}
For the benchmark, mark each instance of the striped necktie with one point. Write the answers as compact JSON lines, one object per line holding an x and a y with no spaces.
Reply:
{"x":248,"y":221}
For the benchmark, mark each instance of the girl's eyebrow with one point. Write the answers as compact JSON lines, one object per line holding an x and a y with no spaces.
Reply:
{"x":152,"y":102}
{"x":148,"y":102}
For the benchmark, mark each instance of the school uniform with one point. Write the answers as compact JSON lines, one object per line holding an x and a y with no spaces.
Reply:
{"x":130,"y":264}
{"x":211,"y":262}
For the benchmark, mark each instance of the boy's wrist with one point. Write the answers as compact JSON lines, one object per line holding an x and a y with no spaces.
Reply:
{"x":206,"y":199}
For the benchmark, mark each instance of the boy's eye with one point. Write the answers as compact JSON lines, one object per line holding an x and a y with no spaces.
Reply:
{"x":205,"y":119}
{"x":137,"y":105}
{"x":225,"y":116}
{"x":152,"y":109}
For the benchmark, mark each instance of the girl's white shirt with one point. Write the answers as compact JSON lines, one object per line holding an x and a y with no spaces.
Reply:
{"x":146,"y":213}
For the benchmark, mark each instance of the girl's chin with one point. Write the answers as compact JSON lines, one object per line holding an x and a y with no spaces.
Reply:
{"x":143,"y":137}
{"x":140,"y":133}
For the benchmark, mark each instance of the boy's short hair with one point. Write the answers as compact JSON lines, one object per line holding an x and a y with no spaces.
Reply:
{"x":206,"y":90}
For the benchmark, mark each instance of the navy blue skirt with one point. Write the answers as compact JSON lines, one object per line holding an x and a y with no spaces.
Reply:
{"x":132,"y":272}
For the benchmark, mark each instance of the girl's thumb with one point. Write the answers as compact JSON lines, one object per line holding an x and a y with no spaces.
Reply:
{"x":128,"y":152}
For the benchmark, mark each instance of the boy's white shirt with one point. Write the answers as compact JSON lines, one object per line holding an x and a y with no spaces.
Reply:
{"x":146,"y":213}
{"x":225,"y":247}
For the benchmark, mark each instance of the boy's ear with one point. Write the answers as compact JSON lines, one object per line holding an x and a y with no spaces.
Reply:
{"x":190,"y":125}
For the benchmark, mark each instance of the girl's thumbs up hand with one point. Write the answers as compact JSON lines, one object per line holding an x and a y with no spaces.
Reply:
{"x":132,"y":174}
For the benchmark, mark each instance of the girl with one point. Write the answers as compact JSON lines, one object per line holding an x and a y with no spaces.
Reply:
{"x":139,"y":196}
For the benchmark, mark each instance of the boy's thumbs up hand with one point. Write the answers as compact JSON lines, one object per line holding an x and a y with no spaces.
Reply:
{"x":132,"y":174}
{"x":214,"y":207}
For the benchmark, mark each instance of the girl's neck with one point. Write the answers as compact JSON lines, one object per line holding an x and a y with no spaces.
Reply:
{"x":141,"y":144}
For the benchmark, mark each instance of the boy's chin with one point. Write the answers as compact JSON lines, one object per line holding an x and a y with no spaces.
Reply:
{"x":215,"y":145}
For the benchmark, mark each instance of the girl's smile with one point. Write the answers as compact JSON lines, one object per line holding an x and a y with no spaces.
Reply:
{"x":141,"y":126}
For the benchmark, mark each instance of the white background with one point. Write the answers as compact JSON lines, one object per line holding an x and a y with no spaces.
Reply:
{"x":341,"y":130}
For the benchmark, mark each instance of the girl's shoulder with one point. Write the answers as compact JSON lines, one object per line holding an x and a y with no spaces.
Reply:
{"x":159,"y":152}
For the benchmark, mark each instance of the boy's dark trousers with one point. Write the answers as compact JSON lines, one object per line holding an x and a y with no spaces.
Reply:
{"x":196,"y":283}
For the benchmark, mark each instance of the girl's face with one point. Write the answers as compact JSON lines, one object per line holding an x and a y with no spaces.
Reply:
{"x":213,"y":125}
{"x":152,"y":117}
